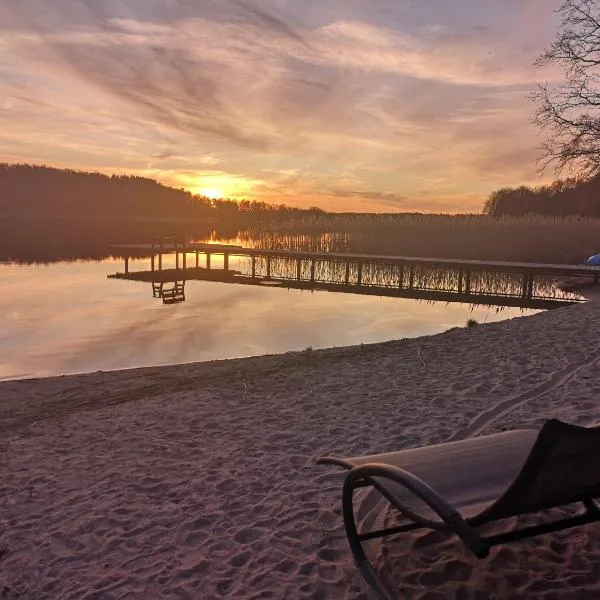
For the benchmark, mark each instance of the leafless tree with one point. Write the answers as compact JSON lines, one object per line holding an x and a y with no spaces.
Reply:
{"x":570,"y":112}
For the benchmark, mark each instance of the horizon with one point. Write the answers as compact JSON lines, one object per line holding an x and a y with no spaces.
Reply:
{"x":248,"y":100}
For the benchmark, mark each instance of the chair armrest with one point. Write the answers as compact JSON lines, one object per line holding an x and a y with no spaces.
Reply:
{"x":448,"y":513}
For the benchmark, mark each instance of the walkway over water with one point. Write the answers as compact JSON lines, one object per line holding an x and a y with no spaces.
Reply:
{"x":528,"y":285}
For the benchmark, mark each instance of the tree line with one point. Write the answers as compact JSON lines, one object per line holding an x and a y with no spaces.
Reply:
{"x":40,"y":191}
{"x":564,"y":197}
{"x":568,"y":112}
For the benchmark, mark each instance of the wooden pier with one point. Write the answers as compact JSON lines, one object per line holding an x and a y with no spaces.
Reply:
{"x":530,"y":285}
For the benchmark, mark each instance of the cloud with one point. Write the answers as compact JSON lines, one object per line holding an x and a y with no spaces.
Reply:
{"x":379,"y":198}
{"x":332,"y":95}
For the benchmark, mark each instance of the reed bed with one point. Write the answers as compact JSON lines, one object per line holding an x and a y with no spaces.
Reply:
{"x":393,"y":276}
{"x":478,"y":237}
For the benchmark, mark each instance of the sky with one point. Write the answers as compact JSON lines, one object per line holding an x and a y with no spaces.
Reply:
{"x":349,"y":105}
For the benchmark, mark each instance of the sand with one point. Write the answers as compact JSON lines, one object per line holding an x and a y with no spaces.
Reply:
{"x":199,"y":481}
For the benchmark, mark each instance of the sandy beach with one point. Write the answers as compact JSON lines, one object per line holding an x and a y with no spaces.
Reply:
{"x":199,"y":481}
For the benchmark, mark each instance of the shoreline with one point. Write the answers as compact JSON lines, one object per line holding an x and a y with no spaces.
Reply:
{"x":223,"y":365}
{"x":179,"y":480}
{"x":143,"y":379}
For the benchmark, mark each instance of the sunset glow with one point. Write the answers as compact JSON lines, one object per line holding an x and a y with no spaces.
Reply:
{"x":367,"y":105}
{"x":212,"y":193}
{"x":214,"y":185}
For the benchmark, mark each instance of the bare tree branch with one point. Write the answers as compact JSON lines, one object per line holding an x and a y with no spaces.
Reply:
{"x":570,"y":113}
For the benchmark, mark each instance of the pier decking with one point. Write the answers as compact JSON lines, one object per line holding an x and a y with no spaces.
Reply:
{"x":530,"y":285}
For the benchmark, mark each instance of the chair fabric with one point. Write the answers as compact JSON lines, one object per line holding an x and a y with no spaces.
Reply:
{"x":470,"y":474}
{"x":499,"y":475}
{"x":563,"y":467}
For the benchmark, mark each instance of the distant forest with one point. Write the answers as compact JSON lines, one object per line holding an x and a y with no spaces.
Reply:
{"x":568,"y":197}
{"x":35,"y":191}
{"x":49,"y":214}
{"x":40,"y":191}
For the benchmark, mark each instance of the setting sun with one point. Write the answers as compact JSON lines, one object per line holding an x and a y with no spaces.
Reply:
{"x":215,"y":185}
{"x":212,"y":193}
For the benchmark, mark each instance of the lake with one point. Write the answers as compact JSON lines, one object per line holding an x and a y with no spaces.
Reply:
{"x":67,"y":317}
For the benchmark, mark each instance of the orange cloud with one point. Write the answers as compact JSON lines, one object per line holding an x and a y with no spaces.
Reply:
{"x":345,"y":113}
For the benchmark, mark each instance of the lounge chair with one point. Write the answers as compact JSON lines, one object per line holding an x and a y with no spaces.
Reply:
{"x":458,"y":486}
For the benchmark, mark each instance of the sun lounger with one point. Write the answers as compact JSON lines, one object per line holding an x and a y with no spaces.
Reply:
{"x":458,"y":486}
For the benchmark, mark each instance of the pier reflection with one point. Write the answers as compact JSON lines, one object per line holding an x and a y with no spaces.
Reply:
{"x":470,"y":282}
{"x":169,"y":292}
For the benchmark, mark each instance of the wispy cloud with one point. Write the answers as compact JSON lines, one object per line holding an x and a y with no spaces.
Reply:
{"x":334,"y":95}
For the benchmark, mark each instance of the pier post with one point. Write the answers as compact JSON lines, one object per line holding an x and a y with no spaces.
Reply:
{"x":176,"y":258}
{"x":401,"y":277}
{"x":152,"y":262}
{"x":197,"y":259}
{"x":225,"y":261}
{"x":298,"y":269}
{"x":460,"y":282}
{"x":468,"y":282}
{"x":411,"y":277}
{"x":127,"y":265}
{"x":347,"y":274}
{"x":208,"y":260}
{"x":268,"y":267}
{"x":184,"y":260}
{"x":527,"y":291}
{"x":253,"y":267}
{"x":312,"y":270}
{"x":359,"y":278}
{"x":531,"y":276}
{"x":160,"y":261}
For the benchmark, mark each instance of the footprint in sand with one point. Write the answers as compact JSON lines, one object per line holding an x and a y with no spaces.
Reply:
{"x":240,"y":559}
{"x":195,"y":538}
{"x":248,"y":535}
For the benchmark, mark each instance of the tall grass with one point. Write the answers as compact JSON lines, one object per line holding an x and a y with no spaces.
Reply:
{"x":477,"y":237}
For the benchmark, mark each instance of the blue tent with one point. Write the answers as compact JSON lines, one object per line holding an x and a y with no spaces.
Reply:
{"x":593,"y":260}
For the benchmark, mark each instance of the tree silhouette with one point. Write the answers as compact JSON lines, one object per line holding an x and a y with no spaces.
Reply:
{"x":38,"y":191}
{"x":567,"y":197}
{"x":570,"y":112}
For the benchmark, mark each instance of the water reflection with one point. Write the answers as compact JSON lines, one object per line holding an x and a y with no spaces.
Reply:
{"x":67,"y":318}
{"x":170,"y":293}
{"x":467,"y":283}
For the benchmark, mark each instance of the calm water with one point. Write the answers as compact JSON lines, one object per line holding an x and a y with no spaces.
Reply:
{"x":67,"y":317}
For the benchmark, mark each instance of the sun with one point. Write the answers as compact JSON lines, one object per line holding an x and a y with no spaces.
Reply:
{"x":216,"y":185}
{"x":212,"y":193}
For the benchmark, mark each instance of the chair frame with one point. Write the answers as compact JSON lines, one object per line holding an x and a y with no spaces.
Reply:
{"x":366,"y":475}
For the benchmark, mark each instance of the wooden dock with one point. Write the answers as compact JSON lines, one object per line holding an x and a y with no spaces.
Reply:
{"x":531,"y":285}
{"x":464,"y":265}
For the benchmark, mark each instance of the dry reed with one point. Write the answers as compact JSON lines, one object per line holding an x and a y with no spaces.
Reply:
{"x":478,"y":237}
